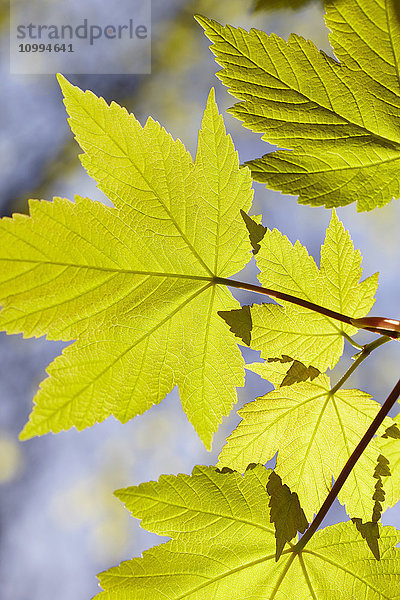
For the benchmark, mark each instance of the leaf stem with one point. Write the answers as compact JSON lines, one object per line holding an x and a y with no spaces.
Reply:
{"x":348,"y":467}
{"x":351,"y":341}
{"x":365,"y":352}
{"x":332,"y":314}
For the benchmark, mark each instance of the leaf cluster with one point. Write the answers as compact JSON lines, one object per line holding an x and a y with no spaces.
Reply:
{"x":142,"y":291}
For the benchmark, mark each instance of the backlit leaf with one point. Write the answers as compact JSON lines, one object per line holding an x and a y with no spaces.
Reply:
{"x":132,"y":284}
{"x":314,"y":433}
{"x":311,"y":338}
{"x":340,"y":120}
{"x":232,"y":554}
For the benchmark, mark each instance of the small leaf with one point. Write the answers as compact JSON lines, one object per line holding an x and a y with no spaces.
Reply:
{"x":286,"y":512}
{"x":309,"y":337}
{"x":256,"y":231}
{"x":239,"y":321}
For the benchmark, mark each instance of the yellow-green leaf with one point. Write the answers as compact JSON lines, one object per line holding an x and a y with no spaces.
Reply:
{"x":314,"y":433}
{"x":232,"y":554}
{"x":341,"y":121}
{"x":298,"y":332}
{"x":132,"y":284}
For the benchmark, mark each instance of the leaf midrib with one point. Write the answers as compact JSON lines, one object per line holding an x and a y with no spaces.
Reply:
{"x":202,"y":511}
{"x":134,"y":165}
{"x":108,"y":269}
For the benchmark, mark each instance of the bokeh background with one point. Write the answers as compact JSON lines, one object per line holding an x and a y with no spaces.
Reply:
{"x":59,"y":522}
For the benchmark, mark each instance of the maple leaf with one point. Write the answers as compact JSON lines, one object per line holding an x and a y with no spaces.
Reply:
{"x":314,"y":433}
{"x":302,"y":334}
{"x":286,"y":512}
{"x":370,"y":529}
{"x":133,"y":284}
{"x":341,"y":121}
{"x":224,"y":547}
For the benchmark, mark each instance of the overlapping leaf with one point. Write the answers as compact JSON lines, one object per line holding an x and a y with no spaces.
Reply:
{"x":286,"y":512}
{"x":132,"y":284}
{"x":389,"y":445}
{"x":341,"y":121}
{"x":232,"y":552}
{"x":314,"y":433}
{"x":300,"y":333}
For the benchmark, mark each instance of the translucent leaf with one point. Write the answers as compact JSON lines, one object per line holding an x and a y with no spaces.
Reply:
{"x":132,"y":284}
{"x":207,"y":503}
{"x":314,"y":433}
{"x":236,"y":557}
{"x":311,"y":338}
{"x":341,"y":121}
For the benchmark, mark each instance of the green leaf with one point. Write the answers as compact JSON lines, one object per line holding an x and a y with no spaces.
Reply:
{"x":341,"y":121}
{"x":311,"y":338}
{"x":286,"y":512}
{"x":389,"y":445}
{"x":132,"y":284}
{"x":206,"y":503}
{"x":239,"y":321}
{"x":236,"y":556}
{"x":255,"y":229}
{"x":370,"y":529}
{"x":314,"y":433}
{"x":365,"y":34}
{"x":370,"y":533}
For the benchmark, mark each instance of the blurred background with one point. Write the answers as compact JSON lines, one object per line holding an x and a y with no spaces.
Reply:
{"x":59,"y":522}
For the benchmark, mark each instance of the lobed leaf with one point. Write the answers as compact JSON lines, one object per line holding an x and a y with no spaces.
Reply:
{"x":306,"y":336}
{"x":132,"y":284}
{"x":239,"y":559}
{"x":314,"y":433}
{"x":341,"y":121}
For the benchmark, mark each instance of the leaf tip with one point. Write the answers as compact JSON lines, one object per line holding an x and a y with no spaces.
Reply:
{"x":26,"y":433}
{"x":63,"y":82}
{"x":211,"y":101}
{"x":202,"y":20}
